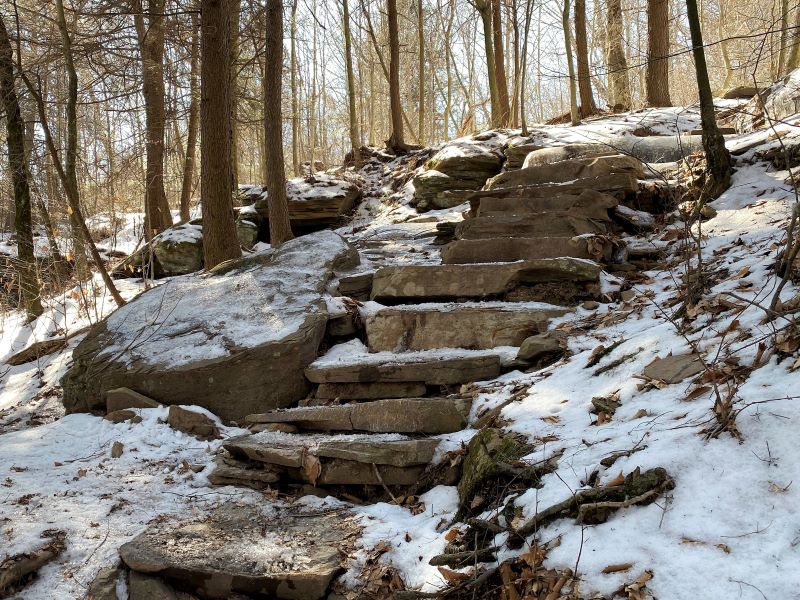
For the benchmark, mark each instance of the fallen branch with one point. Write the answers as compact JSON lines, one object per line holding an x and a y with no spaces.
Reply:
{"x":15,"y":569}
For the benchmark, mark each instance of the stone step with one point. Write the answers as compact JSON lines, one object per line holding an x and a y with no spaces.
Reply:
{"x":533,"y":225}
{"x":344,"y":392}
{"x":516,"y":183}
{"x":570,"y":170}
{"x":396,"y":415}
{"x":456,"y":281}
{"x":240,"y":549}
{"x":431,"y":367}
{"x":589,"y":203}
{"x":476,"y":326}
{"x":505,"y":249}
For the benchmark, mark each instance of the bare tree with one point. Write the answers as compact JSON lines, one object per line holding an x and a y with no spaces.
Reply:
{"x":351,"y":85}
{"x":718,"y":160}
{"x":15,"y":127}
{"x":574,"y":115}
{"x":485,"y":11}
{"x":396,"y":139}
{"x":220,"y":242}
{"x":657,"y":77}
{"x":192,"y":125}
{"x":280,"y":229}
{"x":582,"y":51}
{"x":500,"y":64}
{"x":619,"y":93}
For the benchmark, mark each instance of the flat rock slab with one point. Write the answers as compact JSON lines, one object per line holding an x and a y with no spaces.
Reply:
{"x":396,"y":415}
{"x":533,"y":225}
{"x":674,"y":369}
{"x":293,"y":450}
{"x":505,"y":249}
{"x":259,"y":476}
{"x":452,"y":281}
{"x":432,"y":367}
{"x":589,"y":203}
{"x":368,"y":391}
{"x":459,"y":325}
{"x":570,"y":170}
{"x":240,"y":549}
{"x":616,"y":184}
{"x":235,"y":340}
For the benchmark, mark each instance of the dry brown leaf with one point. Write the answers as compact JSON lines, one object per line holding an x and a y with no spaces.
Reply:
{"x":697,"y":392}
{"x":534,"y":557}
{"x":452,"y":577}
{"x":552,"y":419}
{"x":452,"y":534}
{"x":724,"y":547}
{"x":311,"y":468}
{"x":639,"y":414}
{"x":618,"y":568}
{"x":618,"y":480}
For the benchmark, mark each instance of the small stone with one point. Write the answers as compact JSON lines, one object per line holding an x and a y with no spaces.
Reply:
{"x":674,"y":369}
{"x":104,"y":585}
{"x":194,"y":423}
{"x":120,"y":416}
{"x":591,"y":305}
{"x":122,"y":398}
{"x":627,"y":295}
{"x":117,"y":448}
{"x":537,"y":346}
{"x":708,"y":212}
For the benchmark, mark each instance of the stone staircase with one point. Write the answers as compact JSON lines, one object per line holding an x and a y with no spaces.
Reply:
{"x":530,"y":248}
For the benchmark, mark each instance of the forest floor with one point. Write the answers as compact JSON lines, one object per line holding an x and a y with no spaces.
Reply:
{"x":728,"y":529}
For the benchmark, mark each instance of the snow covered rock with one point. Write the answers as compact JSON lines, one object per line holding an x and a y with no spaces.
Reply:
{"x":179,"y":250}
{"x":781,"y":100}
{"x":569,"y":170}
{"x":239,"y":549}
{"x":235,"y":340}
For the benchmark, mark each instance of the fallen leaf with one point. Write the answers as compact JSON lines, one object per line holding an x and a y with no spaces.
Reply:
{"x":452,"y":534}
{"x":618,"y":568}
{"x":697,"y":392}
{"x":453,"y":577}
{"x":618,"y":480}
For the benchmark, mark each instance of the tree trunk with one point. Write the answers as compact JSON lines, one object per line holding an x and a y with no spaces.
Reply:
{"x":220,"y":242}
{"x":351,"y":86}
{"x":396,"y":139}
{"x":236,"y":9}
{"x":280,"y":229}
{"x":524,"y":68}
{"x":793,"y":62}
{"x":295,"y":102}
{"x":194,"y":115}
{"x":421,"y":74}
{"x":718,"y":167}
{"x":485,"y":11}
{"x":574,"y":114}
{"x":500,"y":64}
{"x":26,"y":261}
{"x":657,"y":78}
{"x":151,"y":49}
{"x":784,"y":39}
{"x":588,"y":106}
{"x":618,"y":86}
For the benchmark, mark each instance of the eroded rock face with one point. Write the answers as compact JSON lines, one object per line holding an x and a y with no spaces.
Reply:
{"x":781,"y":100}
{"x":235,"y":340}
{"x":239,"y":549}
{"x":569,"y":170}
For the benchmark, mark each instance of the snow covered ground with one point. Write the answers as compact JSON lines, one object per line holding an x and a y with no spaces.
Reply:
{"x":728,"y":529}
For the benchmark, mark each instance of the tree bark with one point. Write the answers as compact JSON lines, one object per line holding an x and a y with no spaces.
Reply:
{"x":351,"y":85}
{"x":485,"y":11}
{"x":396,"y":139}
{"x":718,"y":160}
{"x":421,"y":74}
{"x":574,"y":114}
{"x":295,"y":102}
{"x":280,"y":229}
{"x":26,"y":262}
{"x":150,"y":35}
{"x":657,"y":77}
{"x":194,"y":117}
{"x":618,"y":86}
{"x":500,"y":64}
{"x":236,"y":9}
{"x":220,"y":242}
{"x":588,"y":106}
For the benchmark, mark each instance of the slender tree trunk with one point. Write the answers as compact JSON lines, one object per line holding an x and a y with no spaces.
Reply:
{"x":280,"y":229}
{"x":718,"y":167}
{"x":618,"y":86}
{"x":220,"y":242}
{"x":295,"y":103}
{"x":351,"y":85}
{"x":236,"y":9}
{"x":396,"y":139}
{"x":793,"y":62}
{"x":485,"y":11}
{"x":194,"y":117}
{"x":724,"y":48}
{"x":421,"y":75}
{"x":15,"y":127}
{"x":784,"y":40}
{"x":657,"y":78}
{"x":524,"y":68}
{"x":588,"y":106}
{"x":151,"y":49}
{"x":574,"y":114}
{"x":500,"y":64}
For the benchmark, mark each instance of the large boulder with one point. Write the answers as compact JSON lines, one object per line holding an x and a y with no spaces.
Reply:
{"x":234,"y":341}
{"x":179,"y":249}
{"x":569,"y":170}
{"x":780,"y":101}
